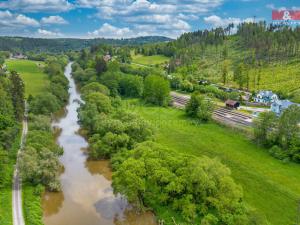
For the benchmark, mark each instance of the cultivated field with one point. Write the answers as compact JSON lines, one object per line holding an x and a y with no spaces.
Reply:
{"x":270,"y":186}
{"x":32,"y":74}
{"x":149,"y":60}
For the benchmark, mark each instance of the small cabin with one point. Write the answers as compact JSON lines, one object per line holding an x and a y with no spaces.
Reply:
{"x":231,"y":104}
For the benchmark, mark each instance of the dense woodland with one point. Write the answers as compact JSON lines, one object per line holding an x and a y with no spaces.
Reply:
{"x":39,"y":45}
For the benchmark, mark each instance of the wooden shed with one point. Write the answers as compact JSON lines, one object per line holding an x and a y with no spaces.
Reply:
{"x":232,"y":104}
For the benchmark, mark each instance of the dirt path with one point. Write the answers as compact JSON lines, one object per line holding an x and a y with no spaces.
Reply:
{"x":18,"y":218}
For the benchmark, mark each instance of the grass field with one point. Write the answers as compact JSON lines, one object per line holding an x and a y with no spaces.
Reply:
{"x":32,"y":73}
{"x":270,"y":186}
{"x":149,"y":60}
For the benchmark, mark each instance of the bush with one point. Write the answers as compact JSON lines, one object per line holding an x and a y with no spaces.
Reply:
{"x":199,"y":107}
{"x":45,"y":104}
{"x":157,"y":90}
{"x":278,"y":152}
{"x":131,"y":86}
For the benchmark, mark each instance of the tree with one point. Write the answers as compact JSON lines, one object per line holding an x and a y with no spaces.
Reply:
{"x":239,"y":75}
{"x":199,"y":107}
{"x":225,"y":69}
{"x":95,"y":87}
{"x":100,"y":66}
{"x":265,"y":128}
{"x":289,"y":129}
{"x":156,"y":90}
{"x":99,"y":100}
{"x":45,"y":104}
{"x":131,"y":86}
{"x":17,"y":93}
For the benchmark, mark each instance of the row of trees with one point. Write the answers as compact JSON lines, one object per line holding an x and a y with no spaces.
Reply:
{"x":281,"y":135}
{"x":11,"y":114}
{"x":39,"y":163}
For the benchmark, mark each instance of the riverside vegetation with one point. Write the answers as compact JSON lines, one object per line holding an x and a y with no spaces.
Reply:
{"x":39,"y":164}
{"x":151,"y":176}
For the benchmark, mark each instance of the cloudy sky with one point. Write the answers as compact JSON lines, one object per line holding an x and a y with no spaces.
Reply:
{"x":128,"y":18}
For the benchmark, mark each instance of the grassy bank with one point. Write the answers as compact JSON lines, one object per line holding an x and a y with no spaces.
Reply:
{"x":6,"y":190}
{"x":33,"y":212}
{"x":270,"y":186}
{"x":32,"y":74}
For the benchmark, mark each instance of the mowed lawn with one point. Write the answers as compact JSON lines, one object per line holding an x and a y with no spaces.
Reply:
{"x":270,"y":186}
{"x":149,"y":60}
{"x":32,"y":74}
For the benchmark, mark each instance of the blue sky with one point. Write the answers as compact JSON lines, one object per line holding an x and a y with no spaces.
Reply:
{"x":128,"y":18}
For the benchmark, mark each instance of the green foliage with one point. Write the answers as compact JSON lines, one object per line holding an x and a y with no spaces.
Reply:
{"x":265,"y":128}
{"x":100,"y":66}
{"x":192,"y":186}
{"x":199,"y":107}
{"x":283,"y":133}
{"x":156,"y":90}
{"x":32,"y":205}
{"x":100,"y":101}
{"x":131,"y":86}
{"x":94,"y":87}
{"x":17,"y":93}
{"x":45,"y":104}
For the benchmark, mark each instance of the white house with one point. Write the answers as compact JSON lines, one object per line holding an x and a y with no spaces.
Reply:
{"x":280,"y":105}
{"x":266,"y":97}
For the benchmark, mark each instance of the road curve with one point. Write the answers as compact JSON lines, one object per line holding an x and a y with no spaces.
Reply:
{"x":18,"y":218}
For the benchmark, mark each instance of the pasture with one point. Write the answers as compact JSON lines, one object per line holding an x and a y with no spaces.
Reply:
{"x":32,"y":74}
{"x":270,"y":186}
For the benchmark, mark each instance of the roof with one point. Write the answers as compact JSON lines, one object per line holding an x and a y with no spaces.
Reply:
{"x":231,"y":102}
{"x":285,"y":103}
{"x":266,"y":93}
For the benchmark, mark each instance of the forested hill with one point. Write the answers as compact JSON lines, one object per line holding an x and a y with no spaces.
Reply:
{"x":23,"y":44}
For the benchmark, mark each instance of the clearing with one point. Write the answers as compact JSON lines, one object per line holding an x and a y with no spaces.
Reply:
{"x":270,"y":186}
{"x":32,"y":74}
{"x":149,"y":60}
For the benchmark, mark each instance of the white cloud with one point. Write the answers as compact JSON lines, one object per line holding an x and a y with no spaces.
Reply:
{"x":217,"y":21}
{"x":109,"y":31}
{"x":37,"y":5}
{"x":165,"y":17}
{"x":48,"y":34}
{"x":53,"y":20}
{"x":8,"y":19}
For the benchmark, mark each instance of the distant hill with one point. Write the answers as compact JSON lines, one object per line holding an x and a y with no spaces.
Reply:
{"x":22,"y":44}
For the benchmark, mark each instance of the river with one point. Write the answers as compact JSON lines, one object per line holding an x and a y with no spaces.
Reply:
{"x":87,"y":196}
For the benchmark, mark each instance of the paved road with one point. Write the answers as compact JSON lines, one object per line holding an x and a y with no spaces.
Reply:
{"x":221,"y":114}
{"x":18,"y":218}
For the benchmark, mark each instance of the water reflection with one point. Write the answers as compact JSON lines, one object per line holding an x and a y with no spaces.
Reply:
{"x":87,"y":197}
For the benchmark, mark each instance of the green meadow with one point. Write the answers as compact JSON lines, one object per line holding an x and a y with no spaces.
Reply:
{"x":149,"y":60}
{"x":270,"y":186}
{"x":32,"y":74}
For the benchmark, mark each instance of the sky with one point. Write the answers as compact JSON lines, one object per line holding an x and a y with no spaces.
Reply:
{"x":128,"y":18}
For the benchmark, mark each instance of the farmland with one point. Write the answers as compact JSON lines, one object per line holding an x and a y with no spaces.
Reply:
{"x":269,"y":185}
{"x":32,"y":74}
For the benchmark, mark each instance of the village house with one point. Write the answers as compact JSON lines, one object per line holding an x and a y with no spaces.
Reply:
{"x":266,"y":97}
{"x":280,"y":105}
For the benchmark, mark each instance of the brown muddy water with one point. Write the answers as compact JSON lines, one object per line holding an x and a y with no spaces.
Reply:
{"x":87,"y":196}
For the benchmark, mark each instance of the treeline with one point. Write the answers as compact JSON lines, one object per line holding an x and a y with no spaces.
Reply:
{"x":25,"y":44}
{"x":149,"y":175}
{"x":39,"y":160}
{"x":11,"y":115}
{"x":281,"y":135}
